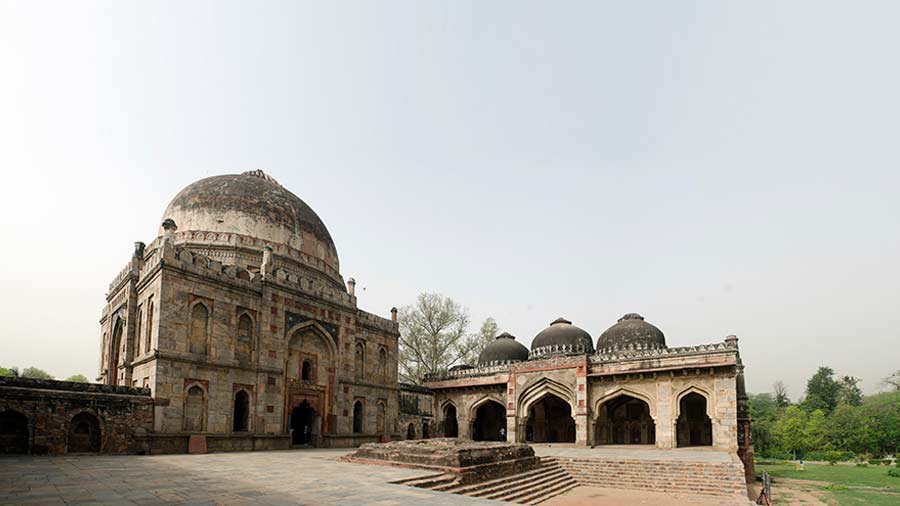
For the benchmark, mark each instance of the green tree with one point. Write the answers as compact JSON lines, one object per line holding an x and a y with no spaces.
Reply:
{"x":847,"y":429}
{"x":10,"y":371}
{"x":790,"y":430}
{"x":816,"y":434}
{"x":849,"y":392}
{"x":477,"y":341}
{"x":35,"y":373}
{"x":78,"y":378}
{"x":433,"y":334}
{"x":822,"y":391}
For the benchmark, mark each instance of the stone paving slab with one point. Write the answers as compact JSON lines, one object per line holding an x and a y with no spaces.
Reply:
{"x":597,"y":496}
{"x":278,"y":478}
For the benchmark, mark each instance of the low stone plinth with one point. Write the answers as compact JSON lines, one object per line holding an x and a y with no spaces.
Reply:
{"x":470,"y":461}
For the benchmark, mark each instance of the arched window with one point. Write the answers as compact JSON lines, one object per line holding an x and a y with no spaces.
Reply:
{"x":359,"y":360}
{"x":195,"y":410}
{"x":84,"y":434}
{"x":244,"y":344}
{"x":199,"y":326}
{"x":379,"y":418}
{"x":382,"y":365}
{"x":241,"y":421}
{"x":139,"y":327}
{"x":306,"y":371}
{"x":115,"y":350}
{"x":358,"y":417}
{"x":149,"y":330}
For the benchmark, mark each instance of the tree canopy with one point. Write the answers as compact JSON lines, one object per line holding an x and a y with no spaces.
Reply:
{"x":35,"y":373}
{"x":434,"y":336}
{"x":78,"y":378}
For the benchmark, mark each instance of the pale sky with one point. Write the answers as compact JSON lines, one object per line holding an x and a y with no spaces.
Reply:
{"x":719,"y":167}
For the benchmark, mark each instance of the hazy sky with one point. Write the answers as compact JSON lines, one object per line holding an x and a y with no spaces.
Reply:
{"x":719,"y":167}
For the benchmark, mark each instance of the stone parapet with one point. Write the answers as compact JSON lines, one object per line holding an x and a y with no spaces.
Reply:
{"x":71,"y":386}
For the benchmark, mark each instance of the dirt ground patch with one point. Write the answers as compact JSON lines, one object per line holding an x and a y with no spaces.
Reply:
{"x":595,"y":496}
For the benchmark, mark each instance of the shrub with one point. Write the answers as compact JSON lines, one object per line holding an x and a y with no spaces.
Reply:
{"x":875,"y":462}
{"x":832,"y":457}
{"x":862,"y":464}
{"x":894,"y":472}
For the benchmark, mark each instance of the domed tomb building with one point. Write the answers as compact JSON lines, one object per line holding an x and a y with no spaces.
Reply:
{"x":238,"y":319}
{"x":629,"y":389}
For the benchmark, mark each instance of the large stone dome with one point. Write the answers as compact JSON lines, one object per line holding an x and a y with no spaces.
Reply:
{"x":504,"y":349}
{"x":250,"y":210}
{"x":561,"y":337}
{"x":631,"y":332}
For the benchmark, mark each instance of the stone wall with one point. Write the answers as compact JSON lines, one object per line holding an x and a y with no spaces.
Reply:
{"x":55,"y":410}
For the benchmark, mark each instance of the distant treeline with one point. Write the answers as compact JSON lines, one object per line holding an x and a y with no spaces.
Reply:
{"x":833,"y":421}
{"x":35,"y":373}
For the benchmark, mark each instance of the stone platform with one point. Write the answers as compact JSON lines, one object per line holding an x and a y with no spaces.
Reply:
{"x":465,"y":461}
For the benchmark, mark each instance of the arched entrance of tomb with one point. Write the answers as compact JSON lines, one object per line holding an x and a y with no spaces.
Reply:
{"x":411,"y":431}
{"x":550,"y":421}
{"x":241,"y":422}
{"x":84,"y":434}
{"x":625,"y":420}
{"x":694,"y":428}
{"x":490,"y":422}
{"x":426,"y":430}
{"x":302,"y":418}
{"x":13,"y":433}
{"x":451,"y":426}
{"x":357,"y":417}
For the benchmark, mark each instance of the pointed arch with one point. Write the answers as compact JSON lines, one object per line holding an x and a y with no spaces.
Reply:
{"x":293,"y":333}
{"x":694,"y":389}
{"x":473,"y":408}
{"x":198,"y":331}
{"x":620,"y":391}
{"x":540,"y":389}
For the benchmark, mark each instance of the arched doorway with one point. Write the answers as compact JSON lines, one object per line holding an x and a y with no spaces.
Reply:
{"x":194,"y":410}
{"x":302,"y":418}
{"x":490,"y":422}
{"x":357,"y":417}
{"x":625,"y":420}
{"x":13,"y":433}
{"x":115,"y":353}
{"x":451,"y":427}
{"x":426,"y":430}
{"x":241,"y":421}
{"x":411,"y":431}
{"x":84,"y":434}
{"x":694,"y":426}
{"x":550,"y":421}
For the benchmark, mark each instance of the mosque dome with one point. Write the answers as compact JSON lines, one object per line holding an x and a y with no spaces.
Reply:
{"x":250,"y":210}
{"x":561,"y":337}
{"x":504,"y":349}
{"x":631,"y":332}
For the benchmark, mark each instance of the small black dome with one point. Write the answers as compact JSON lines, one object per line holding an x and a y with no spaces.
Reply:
{"x":503,"y":350}
{"x":631,"y":332}
{"x":561,"y":337}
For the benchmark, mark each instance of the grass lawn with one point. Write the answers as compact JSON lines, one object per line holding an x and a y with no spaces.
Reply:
{"x":842,"y":485}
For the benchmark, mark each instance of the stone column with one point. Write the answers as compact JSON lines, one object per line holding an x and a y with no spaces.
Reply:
{"x":581,"y":407}
{"x":665,"y":415}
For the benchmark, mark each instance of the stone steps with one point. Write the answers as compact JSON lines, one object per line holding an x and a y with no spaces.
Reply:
{"x":557,"y":475}
{"x":718,"y":479}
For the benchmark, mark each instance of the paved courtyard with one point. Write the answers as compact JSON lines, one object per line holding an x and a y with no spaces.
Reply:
{"x":283,"y":478}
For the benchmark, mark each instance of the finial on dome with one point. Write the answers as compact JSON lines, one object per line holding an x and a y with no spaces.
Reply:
{"x":560,"y":320}
{"x":631,"y":316}
{"x":505,"y":335}
{"x":260,"y":174}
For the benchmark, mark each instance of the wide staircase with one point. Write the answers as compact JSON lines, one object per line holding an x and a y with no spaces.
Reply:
{"x":557,"y":475}
{"x":669,"y":476}
{"x":534,"y":486}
